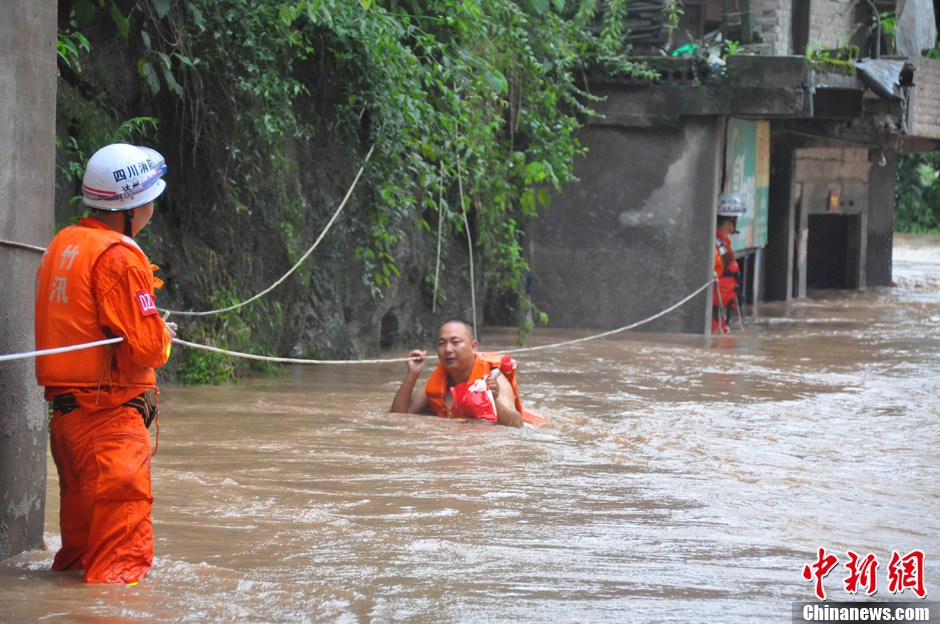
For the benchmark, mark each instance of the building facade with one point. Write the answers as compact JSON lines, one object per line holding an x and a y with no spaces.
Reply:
{"x":809,"y":139}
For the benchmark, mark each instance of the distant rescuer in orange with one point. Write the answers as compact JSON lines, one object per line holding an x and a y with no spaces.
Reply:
{"x":459,"y":363}
{"x":725,"y":294}
{"x":95,"y":283}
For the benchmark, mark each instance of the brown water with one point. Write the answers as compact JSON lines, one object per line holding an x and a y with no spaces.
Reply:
{"x":681,"y":479}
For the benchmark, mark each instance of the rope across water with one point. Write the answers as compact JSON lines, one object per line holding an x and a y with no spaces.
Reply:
{"x":284,"y":360}
{"x":280,"y":360}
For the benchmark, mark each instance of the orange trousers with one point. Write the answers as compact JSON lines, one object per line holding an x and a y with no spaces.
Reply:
{"x":103,"y":461}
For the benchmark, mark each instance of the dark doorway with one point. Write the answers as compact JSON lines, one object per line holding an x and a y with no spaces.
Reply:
{"x":832,"y":252}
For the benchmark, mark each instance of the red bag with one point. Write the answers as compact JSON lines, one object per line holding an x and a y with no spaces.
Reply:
{"x":474,"y":400}
{"x":507,"y":366}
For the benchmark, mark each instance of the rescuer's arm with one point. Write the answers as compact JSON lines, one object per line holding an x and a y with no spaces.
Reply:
{"x":127,"y":308}
{"x":408,"y":399}
{"x":506,"y":413}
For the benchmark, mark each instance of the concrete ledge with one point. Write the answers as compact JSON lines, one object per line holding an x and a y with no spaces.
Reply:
{"x":664,"y":105}
{"x":770,"y":71}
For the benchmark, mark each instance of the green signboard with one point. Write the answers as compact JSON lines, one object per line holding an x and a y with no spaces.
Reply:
{"x":747,"y":174}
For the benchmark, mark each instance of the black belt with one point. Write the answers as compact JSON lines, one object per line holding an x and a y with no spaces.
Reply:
{"x":64,"y":403}
{"x":145,"y":403}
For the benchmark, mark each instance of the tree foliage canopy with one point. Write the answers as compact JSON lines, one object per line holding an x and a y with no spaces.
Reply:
{"x":918,"y":205}
{"x":471,"y":106}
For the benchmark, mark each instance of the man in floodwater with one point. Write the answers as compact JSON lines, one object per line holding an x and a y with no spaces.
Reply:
{"x":459,"y":363}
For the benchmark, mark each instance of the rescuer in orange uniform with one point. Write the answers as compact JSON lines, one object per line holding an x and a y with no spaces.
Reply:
{"x":459,"y":362}
{"x":95,"y":283}
{"x":725,"y":293}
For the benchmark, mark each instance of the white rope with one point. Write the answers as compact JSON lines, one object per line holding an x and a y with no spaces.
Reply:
{"x":22,"y":246}
{"x":280,"y":360}
{"x":466,"y":223}
{"x":614,"y":331}
{"x":440,"y":229}
{"x":78,"y":347}
{"x":283,"y":360}
{"x":297,"y":264}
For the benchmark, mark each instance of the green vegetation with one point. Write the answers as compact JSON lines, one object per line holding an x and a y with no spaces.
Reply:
{"x":918,"y":191}
{"x":471,"y":106}
{"x":918,"y":194}
{"x":234,"y":330}
{"x":889,"y":28}
{"x":205,"y":367}
{"x":838,"y":60}
{"x":933,"y":52}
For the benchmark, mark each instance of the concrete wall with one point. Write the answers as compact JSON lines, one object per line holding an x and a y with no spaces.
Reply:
{"x":637,"y":234}
{"x":925,"y":99}
{"x":772,"y":19}
{"x":821,"y":169}
{"x":27,"y":106}
{"x":832,"y":21}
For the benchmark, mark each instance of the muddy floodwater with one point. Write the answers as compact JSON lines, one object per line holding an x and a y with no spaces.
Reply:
{"x":681,"y":478}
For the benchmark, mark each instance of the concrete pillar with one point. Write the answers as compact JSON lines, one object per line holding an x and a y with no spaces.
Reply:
{"x":637,"y":234}
{"x":781,"y":230}
{"x":27,"y":193}
{"x":880,"y":230}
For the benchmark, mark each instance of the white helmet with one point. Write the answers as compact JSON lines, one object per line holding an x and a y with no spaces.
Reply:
{"x":730,"y":205}
{"x":121,"y":177}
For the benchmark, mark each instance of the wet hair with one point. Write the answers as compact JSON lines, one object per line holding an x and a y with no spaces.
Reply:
{"x":464,"y":322}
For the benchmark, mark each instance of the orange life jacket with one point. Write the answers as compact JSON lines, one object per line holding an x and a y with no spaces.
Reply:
{"x":439,"y":384}
{"x":67,"y":312}
{"x":726,"y":266}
